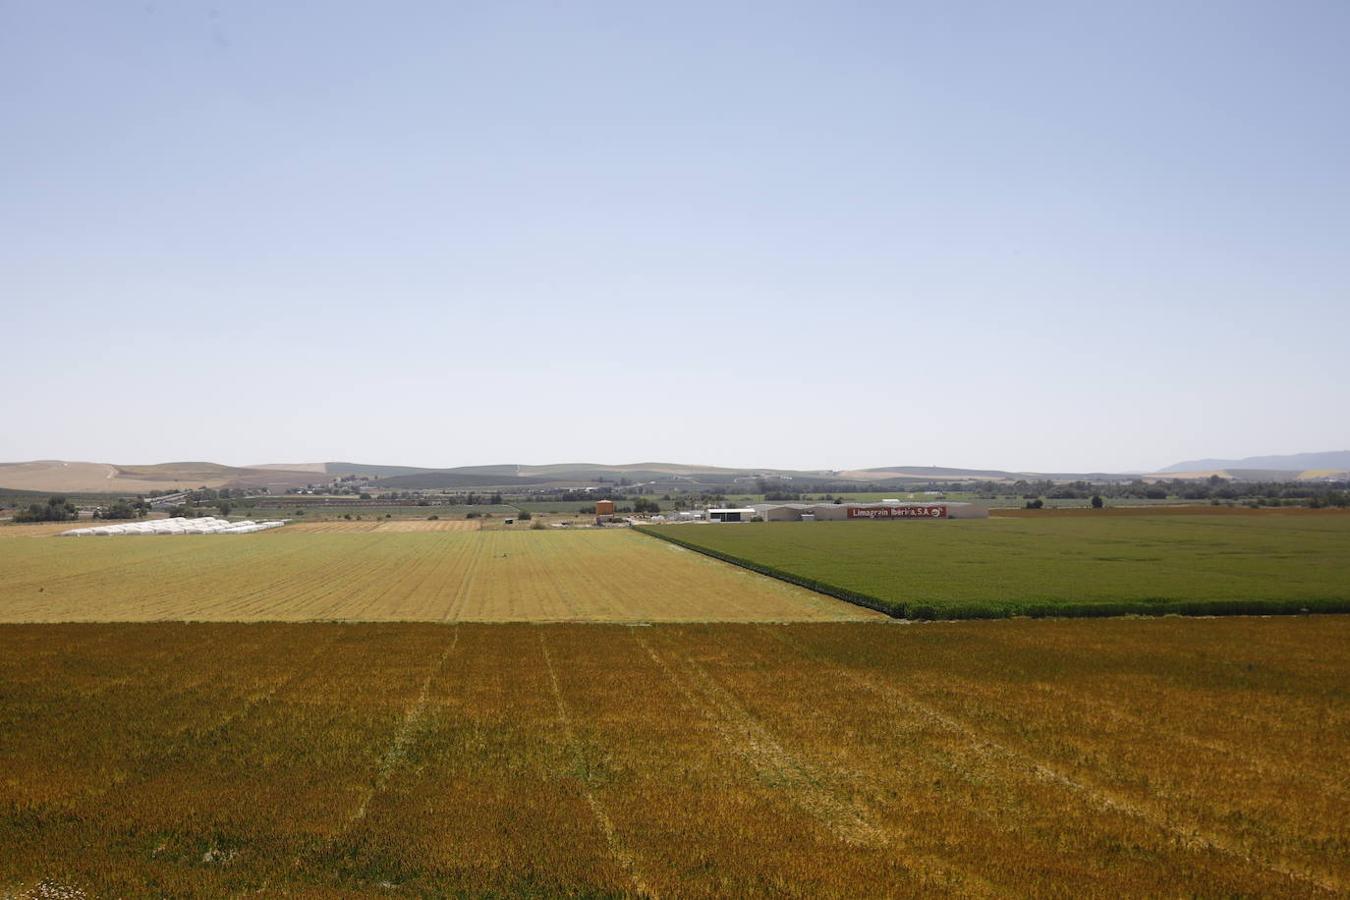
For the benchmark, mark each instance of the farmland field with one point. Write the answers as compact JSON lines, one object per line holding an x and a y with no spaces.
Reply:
{"x":383,"y":526}
{"x":293,"y":574}
{"x":302,"y":511}
{"x":1176,"y":757}
{"x":1060,"y":564}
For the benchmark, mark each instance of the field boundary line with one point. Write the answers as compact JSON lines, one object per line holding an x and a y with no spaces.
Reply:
{"x":403,"y":736}
{"x":255,"y":700}
{"x":1191,"y":836}
{"x":811,"y":584}
{"x":751,"y":740}
{"x":398,"y":748}
{"x":625,"y":858}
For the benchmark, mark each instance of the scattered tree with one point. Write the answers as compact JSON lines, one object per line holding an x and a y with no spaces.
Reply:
{"x":120,"y":509}
{"x":57,"y":509}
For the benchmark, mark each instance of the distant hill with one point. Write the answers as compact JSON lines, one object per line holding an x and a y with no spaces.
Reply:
{"x":450,"y":480}
{"x":60,"y":476}
{"x":928,"y":473}
{"x":348,"y":468}
{"x":583,"y":474}
{"x":1335,"y":460}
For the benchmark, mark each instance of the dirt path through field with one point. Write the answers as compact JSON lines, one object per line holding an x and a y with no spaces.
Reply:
{"x":622,"y":854}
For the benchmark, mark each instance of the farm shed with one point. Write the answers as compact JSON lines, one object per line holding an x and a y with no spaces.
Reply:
{"x":793,"y":512}
{"x":741,"y":514}
{"x":787,"y":512}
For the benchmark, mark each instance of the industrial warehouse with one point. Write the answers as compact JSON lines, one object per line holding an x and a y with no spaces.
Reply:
{"x":811,"y":512}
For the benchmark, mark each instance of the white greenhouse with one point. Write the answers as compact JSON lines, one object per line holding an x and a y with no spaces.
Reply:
{"x":178,"y":525}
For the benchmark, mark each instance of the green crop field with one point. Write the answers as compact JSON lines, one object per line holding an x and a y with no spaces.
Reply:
{"x":1197,"y":564}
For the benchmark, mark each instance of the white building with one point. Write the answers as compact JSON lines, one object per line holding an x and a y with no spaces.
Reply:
{"x":886,"y":509}
{"x":732,"y":514}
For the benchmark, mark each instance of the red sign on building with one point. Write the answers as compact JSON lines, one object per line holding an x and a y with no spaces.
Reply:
{"x":897,"y":512}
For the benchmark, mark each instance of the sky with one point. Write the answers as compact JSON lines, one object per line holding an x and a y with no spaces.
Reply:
{"x":1033,"y":236}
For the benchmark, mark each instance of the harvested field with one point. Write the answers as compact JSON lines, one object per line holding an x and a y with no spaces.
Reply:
{"x":1071,"y":565}
{"x":43,"y":529}
{"x":411,"y":526}
{"x":385,"y":526}
{"x":1162,"y":757}
{"x":291,"y":575}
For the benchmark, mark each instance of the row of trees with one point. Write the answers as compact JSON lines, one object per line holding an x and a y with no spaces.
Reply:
{"x":123,"y":509}
{"x":421,"y":498}
{"x":56,"y":509}
{"x":1212,"y":488}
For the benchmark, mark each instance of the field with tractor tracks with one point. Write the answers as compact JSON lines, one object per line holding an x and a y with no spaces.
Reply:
{"x":1124,"y":757}
{"x":389,"y":571}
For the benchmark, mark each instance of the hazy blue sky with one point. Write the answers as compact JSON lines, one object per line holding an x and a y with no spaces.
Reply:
{"x":1039,"y":236}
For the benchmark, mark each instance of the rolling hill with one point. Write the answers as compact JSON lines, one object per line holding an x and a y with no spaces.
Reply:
{"x":63,"y":476}
{"x":60,"y":476}
{"x":1336,"y":460}
{"x":1290,"y":467}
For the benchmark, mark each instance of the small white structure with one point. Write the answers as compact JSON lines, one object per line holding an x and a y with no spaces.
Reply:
{"x":176,"y":525}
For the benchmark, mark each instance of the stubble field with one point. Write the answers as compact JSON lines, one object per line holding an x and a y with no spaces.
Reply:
{"x":293,"y":574}
{"x":383,"y":526}
{"x":1169,"y":757}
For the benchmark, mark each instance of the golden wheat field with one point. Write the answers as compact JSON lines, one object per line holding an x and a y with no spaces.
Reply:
{"x":1164,"y":757}
{"x":384,"y":526}
{"x":297,"y":575}
{"x":39,"y":529}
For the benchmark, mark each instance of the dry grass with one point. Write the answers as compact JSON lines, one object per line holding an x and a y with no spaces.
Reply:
{"x":57,"y":477}
{"x":292,"y":575}
{"x":1069,"y":758}
{"x":68,"y":477}
{"x":43,"y":529}
{"x":63,"y":477}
